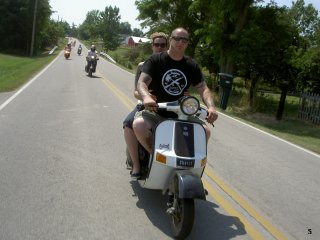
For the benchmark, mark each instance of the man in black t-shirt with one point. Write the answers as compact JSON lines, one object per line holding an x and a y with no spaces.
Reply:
{"x":168,"y":76}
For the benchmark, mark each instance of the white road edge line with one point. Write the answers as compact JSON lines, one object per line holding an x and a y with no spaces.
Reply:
{"x":3,"y":105}
{"x":269,"y":134}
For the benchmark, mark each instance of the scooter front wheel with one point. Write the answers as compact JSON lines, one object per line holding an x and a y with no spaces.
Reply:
{"x":182,"y":217}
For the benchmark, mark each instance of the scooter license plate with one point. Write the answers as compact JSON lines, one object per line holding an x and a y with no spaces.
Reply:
{"x":189,"y":163}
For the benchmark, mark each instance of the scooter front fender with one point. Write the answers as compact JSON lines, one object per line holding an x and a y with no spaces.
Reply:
{"x":187,"y":185}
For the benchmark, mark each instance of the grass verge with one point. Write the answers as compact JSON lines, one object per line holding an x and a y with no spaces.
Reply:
{"x":263,"y":116}
{"x":294,"y":130}
{"x":16,"y":70}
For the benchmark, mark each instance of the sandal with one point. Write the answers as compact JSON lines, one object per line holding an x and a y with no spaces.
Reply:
{"x":135,"y":176}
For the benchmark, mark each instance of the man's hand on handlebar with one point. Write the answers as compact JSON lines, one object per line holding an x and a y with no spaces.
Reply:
{"x":212,"y":115}
{"x":150,"y":103}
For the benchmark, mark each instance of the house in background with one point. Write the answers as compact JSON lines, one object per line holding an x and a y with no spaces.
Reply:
{"x":134,"y":41}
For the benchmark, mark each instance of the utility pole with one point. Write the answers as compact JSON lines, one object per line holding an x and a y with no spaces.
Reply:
{"x":33,"y":27}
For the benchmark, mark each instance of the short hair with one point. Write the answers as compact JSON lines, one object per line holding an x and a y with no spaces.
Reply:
{"x":179,"y":29}
{"x":159,"y":35}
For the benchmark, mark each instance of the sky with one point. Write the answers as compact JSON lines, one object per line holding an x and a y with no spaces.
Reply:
{"x":75,"y":11}
{"x":288,"y":3}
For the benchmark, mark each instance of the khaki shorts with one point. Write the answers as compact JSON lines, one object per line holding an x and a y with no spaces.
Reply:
{"x":154,"y":119}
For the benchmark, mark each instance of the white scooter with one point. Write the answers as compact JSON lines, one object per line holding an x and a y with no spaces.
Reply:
{"x":177,"y":163}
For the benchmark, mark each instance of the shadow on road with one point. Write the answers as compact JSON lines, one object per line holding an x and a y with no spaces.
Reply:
{"x":93,"y":76}
{"x":208,"y":224}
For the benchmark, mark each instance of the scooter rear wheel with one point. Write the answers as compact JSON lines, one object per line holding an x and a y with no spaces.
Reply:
{"x":181,"y":220}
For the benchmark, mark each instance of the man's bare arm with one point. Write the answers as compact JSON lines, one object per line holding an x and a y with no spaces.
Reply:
{"x":205,"y":94}
{"x":207,"y":98}
{"x":143,"y":83}
{"x":136,"y":78}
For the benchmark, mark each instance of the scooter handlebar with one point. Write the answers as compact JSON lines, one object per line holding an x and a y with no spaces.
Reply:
{"x":202,"y":113}
{"x":175,"y":107}
{"x":169,"y":106}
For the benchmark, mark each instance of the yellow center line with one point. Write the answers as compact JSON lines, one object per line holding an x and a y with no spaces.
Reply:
{"x":254,"y":234}
{"x":123,"y":98}
{"x":222,"y":202}
{"x":245,"y":205}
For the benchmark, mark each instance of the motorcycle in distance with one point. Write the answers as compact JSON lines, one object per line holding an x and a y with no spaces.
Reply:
{"x":66,"y":54}
{"x":177,"y":163}
{"x":92,"y":64}
{"x":79,"y":51}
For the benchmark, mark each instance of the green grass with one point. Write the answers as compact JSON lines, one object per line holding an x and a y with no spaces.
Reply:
{"x":294,"y":130}
{"x":263,"y":116}
{"x":129,"y":57}
{"x":15,"y":70}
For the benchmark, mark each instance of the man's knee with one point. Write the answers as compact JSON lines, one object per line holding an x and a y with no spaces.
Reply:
{"x":138,"y":124}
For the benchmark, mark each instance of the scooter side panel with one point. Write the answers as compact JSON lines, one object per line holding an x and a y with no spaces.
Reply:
{"x":165,"y":135}
{"x":160,"y":173}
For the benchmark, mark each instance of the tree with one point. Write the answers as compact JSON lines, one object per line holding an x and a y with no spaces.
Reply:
{"x":166,"y":15}
{"x":74,"y":30}
{"x":137,"y":32}
{"x":238,"y":37}
{"x":51,"y":34}
{"x":125,"y":28}
{"x":308,"y":65}
{"x":306,"y":57}
{"x":91,"y":24}
{"x":306,"y":19}
{"x":110,"y":28}
{"x":16,"y":24}
{"x":265,"y":47}
{"x":104,"y":27}
{"x":222,"y":22}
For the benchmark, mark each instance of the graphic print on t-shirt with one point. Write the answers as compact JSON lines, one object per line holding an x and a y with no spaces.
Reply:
{"x":174,"y":81}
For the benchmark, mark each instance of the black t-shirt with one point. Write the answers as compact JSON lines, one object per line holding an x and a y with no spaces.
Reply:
{"x":170,"y":78}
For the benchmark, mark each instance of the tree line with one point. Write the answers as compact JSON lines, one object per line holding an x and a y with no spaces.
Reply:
{"x":17,"y":23}
{"x":106,"y":27}
{"x":278,"y":46}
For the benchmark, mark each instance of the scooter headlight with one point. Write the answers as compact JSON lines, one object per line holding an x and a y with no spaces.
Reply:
{"x":189,"y":105}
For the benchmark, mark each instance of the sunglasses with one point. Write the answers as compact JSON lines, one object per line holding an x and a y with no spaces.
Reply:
{"x":162,"y":45}
{"x":178,"y":39}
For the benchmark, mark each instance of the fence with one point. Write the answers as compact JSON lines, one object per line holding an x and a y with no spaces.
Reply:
{"x":309,"y":107}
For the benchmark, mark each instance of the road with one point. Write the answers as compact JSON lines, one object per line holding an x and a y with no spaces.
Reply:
{"x":63,"y":175}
